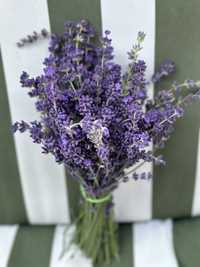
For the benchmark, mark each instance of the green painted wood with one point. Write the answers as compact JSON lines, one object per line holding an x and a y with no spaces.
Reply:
{"x":178,"y":38}
{"x":63,"y":10}
{"x":12,"y":208}
{"x":32,"y":247}
{"x":187,"y":242}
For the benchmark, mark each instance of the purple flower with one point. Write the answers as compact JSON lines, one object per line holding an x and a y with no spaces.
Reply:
{"x":49,"y":71}
{"x":95,"y":119}
{"x":166,"y":68}
{"x":26,"y":81}
{"x":20,"y":126}
{"x":103,"y":153}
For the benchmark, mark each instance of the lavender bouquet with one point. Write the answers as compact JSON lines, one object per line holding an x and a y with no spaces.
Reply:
{"x":98,"y":122}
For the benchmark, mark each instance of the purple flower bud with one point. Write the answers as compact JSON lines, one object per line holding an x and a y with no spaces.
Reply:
{"x":165,"y":69}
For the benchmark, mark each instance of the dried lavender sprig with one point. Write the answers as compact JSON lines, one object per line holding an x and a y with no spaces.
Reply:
{"x":93,"y":119}
{"x":166,"y":68}
{"x":31,"y":38}
{"x":113,"y":134}
{"x":133,"y":54}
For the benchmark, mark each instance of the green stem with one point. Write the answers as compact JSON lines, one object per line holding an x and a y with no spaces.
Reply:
{"x":96,"y":232}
